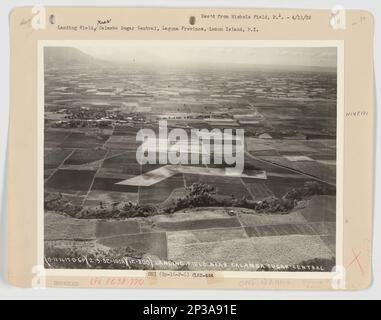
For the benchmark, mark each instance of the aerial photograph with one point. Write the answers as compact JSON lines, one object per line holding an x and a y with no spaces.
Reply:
{"x":202,"y":157}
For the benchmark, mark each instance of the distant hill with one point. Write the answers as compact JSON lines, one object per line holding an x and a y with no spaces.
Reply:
{"x":59,"y":56}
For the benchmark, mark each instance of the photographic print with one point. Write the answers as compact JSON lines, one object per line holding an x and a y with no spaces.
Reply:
{"x":189,"y":156}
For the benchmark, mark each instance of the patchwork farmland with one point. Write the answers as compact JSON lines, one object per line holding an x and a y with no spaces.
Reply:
{"x":94,"y":110}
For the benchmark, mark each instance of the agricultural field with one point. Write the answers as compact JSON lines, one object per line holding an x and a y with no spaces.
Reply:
{"x":284,"y":137}
{"x":93,"y":114}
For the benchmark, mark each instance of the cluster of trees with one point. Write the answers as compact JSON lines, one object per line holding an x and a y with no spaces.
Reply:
{"x":196,"y":195}
{"x":203,"y":195}
{"x":119,"y":210}
{"x":310,"y":188}
{"x":269,"y":205}
{"x":57,"y":202}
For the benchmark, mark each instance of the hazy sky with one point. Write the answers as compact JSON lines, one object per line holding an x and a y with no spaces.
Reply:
{"x":151,"y":52}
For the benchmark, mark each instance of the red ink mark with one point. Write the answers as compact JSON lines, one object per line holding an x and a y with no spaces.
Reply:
{"x":356,"y":259}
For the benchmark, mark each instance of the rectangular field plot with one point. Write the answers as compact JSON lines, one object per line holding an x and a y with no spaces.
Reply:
{"x":55,"y":135}
{"x":150,"y":167}
{"x":320,"y":209}
{"x":82,"y":140}
{"x":122,"y":139}
{"x":118,"y":165}
{"x":54,"y":158}
{"x":116,"y":173}
{"x":281,"y":161}
{"x":319,"y":170}
{"x":279,"y":186}
{"x":70,"y":181}
{"x":293,"y":147}
{"x":327,"y":143}
{"x":48,"y":173}
{"x":125,"y":142}
{"x":327,"y":157}
{"x":256,"y":144}
{"x":266,"y":153}
{"x":53,"y":138}
{"x":280,"y":113}
{"x":259,"y":190}
{"x":125,"y":130}
{"x":325,"y":150}
{"x":263,"y":163}
{"x":110,"y":184}
{"x":84,"y":156}
{"x":119,"y":157}
{"x":161,"y":191}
